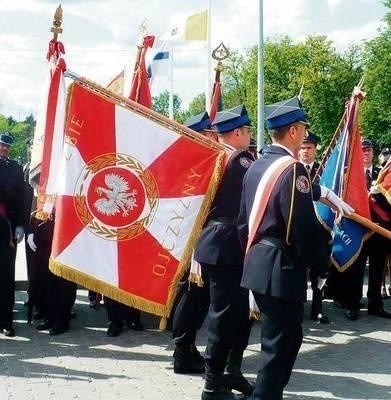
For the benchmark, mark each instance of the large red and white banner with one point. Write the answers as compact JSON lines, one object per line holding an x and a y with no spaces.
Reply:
{"x":133,"y":194}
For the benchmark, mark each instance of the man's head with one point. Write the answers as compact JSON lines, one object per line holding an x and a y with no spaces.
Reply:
{"x":307,"y":152}
{"x":287,"y":123}
{"x":6,"y":141}
{"x":384,"y":155}
{"x":233,"y":127}
{"x":367,"y":150}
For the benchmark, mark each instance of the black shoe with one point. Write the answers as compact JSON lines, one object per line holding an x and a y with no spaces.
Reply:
{"x":114,"y":329}
{"x":320,"y":318}
{"x":219,"y":395}
{"x":352,"y":315}
{"x":9,"y":331}
{"x":135,"y":325}
{"x":380,"y":312}
{"x":58,"y":329}
{"x":187,"y":362}
{"x":188,"y":366}
{"x":43,"y":326}
{"x":239,"y":383}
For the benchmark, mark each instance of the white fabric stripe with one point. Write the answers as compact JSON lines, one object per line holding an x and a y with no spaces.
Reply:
{"x":260,"y":189}
{"x":58,"y":136}
{"x":141,"y":138}
{"x":72,"y":165}
{"x":173,"y":222}
{"x":92,"y":255}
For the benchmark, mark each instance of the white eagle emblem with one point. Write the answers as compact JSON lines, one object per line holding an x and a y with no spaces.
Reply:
{"x":118,"y":196}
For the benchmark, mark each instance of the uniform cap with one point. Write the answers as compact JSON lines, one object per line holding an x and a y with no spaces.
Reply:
{"x":311,"y":138}
{"x":284,"y":113}
{"x":366,"y":143}
{"x":6,"y":138}
{"x":386,"y":151}
{"x":199,"y":122}
{"x":228,"y":120}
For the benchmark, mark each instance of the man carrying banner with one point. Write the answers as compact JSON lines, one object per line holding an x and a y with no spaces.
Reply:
{"x":221,"y":257}
{"x":282,"y":236}
{"x":192,"y":299}
{"x":307,"y":155}
{"x":11,"y":229}
{"x":377,"y":246}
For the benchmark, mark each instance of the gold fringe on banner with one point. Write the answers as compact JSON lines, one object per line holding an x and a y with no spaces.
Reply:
{"x":106,"y":289}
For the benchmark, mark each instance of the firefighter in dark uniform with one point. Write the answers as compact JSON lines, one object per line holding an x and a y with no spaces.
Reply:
{"x":275,"y":264}
{"x":221,"y":257}
{"x":193,"y":300}
{"x":52,"y":295}
{"x":348,"y":286}
{"x":307,"y":156}
{"x":11,"y":229}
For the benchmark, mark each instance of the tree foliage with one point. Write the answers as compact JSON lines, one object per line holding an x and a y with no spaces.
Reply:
{"x":375,"y":118}
{"x":21,"y":131}
{"x":161,"y":105}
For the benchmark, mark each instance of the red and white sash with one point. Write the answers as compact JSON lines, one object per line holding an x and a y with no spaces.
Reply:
{"x":261,"y":199}
{"x":262,"y":195}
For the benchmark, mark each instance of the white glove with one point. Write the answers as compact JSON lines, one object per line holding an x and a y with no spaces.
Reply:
{"x":30,"y":242}
{"x":19,"y":233}
{"x":321,"y":283}
{"x":342,"y":207}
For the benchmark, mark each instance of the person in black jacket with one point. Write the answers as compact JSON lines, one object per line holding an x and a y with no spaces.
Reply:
{"x":221,"y":257}
{"x":11,"y":229}
{"x":348,"y":285}
{"x":307,"y":156}
{"x":192,"y":302}
{"x":287,"y":240}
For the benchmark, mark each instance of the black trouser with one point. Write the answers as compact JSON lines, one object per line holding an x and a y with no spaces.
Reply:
{"x":7,"y":275}
{"x":316,"y":305}
{"x":281,"y":338}
{"x":229,"y":324}
{"x":348,"y":285}
{"x":190,"y":313}
{"x":377,"y":249}
{"x":53,"y":295}
{"x":118,"y":312}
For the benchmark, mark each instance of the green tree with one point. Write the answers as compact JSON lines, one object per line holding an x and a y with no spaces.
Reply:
{"x":21,"y":131}
{"x":375,"y":115}
{"x":161,"y":102}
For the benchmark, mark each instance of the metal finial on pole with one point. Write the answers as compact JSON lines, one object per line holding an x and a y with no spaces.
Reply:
{"x":57,"y":21}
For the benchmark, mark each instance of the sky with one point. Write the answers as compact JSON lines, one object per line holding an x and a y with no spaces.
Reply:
{"x":100,"y":37}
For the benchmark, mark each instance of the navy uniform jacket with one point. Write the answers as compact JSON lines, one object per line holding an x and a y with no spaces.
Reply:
{"x":219,"y":241}
{"x":289,"y":237}
{"x":12,"y":191}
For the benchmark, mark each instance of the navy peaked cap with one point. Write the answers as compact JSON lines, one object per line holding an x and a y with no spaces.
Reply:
{"x":284,"y":113}
{"x":366,"y":143}
{"x":228,"y":120}
{"x":199,"y":122}
{"x":311,"y":138}
{"x":6,"y":138}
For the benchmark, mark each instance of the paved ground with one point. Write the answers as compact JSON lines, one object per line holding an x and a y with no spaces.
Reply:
{"x":343,"y":360}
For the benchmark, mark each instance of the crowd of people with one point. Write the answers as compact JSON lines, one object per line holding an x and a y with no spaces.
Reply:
{"x":260,"y":245}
